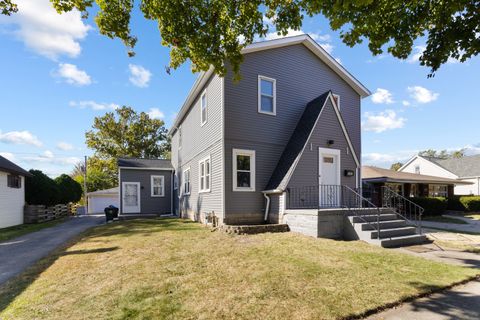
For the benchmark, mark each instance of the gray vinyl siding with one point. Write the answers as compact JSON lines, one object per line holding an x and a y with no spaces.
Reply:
{"x":300,"y":77}
{"x":199,"y":142}
{"x":149,"y":204}
{"x":328,"y":128}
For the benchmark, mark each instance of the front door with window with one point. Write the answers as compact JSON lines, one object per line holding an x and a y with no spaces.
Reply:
{"x":329,"y":178}
{"x":130,"y":197}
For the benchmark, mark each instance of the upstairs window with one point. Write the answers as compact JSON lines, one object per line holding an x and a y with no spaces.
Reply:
{"x":267,"y":95}
{"x":417,"y":169}
{"x":243,"y":170}
{"x":14,"y":181}
{"x":203,"y":108}
{"x":186,"y":181}
{"x":158,"y":186}
{"x":336,"y":98}
{"x":204,"y":174}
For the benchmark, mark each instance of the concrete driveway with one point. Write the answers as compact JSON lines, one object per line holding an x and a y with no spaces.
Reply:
{"x":19,"y":253}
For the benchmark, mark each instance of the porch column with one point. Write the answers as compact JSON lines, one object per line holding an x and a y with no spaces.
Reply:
{"x":407,"y":187}
{"x":450,"y":190}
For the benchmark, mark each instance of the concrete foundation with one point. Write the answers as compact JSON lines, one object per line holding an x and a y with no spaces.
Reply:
{"x":331,"y":223}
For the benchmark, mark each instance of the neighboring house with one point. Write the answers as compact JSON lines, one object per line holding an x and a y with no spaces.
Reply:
{"x":291,"y":122}
{"x":405,"y":183}
{"x":12,"y":193}
{"x":145,"y":186}
{"x":100,"y":199}
{"x":465,"y":169}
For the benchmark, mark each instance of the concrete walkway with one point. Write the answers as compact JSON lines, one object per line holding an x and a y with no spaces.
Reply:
{"x":471,"y":226}
{"x":19,"y":253}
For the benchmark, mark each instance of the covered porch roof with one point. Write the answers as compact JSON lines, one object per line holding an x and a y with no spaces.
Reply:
{"x":379,"y":175}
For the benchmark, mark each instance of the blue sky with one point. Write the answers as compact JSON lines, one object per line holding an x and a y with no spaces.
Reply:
{"x":58,"y":73}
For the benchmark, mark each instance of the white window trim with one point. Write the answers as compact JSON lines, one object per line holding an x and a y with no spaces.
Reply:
{"x":175,"y":182}
{"x":189,"y":181}
{"x":251,"y":154}
{"x":200,"y":190}
{"x":338,"y":99}
{"x":152,"y":185}
{"x":203,"y":121}
{"x":259,"y":102}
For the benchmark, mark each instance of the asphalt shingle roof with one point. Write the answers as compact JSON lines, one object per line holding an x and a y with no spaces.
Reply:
{"x":297,"y":141}
{"x":385,"y":175}
{"x":144,"y":163}
{"x":468,"y":166}
{"x":9,"y":166}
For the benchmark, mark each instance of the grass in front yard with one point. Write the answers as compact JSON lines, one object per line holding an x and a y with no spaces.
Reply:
{"x":16,"y":231}
{"x":175,"y":269}
{"x":443,"y":219}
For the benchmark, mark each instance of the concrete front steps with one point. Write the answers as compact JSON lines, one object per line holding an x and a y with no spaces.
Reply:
{"x":394,"y":230}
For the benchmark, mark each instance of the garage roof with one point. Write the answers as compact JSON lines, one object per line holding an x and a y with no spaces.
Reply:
{"x":143,"y":163}
{"x":374,"y":174}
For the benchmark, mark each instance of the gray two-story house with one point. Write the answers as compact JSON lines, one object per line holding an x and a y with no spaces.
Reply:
{"x":291,"y":123}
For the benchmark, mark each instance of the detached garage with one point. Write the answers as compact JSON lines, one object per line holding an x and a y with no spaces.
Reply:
{"x":100,"y":199}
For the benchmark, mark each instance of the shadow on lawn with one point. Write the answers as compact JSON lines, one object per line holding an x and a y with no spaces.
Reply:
{"x":15,"y":286}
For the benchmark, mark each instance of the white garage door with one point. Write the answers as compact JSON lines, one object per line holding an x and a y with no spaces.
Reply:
{"x":98,"y":204}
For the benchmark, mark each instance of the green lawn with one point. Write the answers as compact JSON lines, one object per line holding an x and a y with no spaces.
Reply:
{"x":176,"y":269}
{"x":16,"y":231}
{"x":443,"y":219}
{"x":474,"y":216}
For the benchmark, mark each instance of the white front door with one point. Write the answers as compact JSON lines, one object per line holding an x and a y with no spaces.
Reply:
{"x":329,"y":177}
{"x":130,"y":197}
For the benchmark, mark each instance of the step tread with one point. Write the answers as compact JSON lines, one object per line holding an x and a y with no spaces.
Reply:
{"x":384,"y":221}
{"x":409,"y":240}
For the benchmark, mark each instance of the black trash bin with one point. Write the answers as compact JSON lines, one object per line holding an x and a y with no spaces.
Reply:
{"x":111,"y":212}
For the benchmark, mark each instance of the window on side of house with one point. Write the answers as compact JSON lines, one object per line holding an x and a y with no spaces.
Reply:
{"x":157,"y":184}
{"x":203,"y":108}
{"x":336,"y":98}
{"x":180,"y":137}
{"x":437,"y":190}
{"x":267,"y":101}
{"x":175,"y":182}
{"x":186,"y":181}
{"x":243,"y":170}
{"x":14,"y":181}
{"x":417,"y":169}
{"x":204,"y":174}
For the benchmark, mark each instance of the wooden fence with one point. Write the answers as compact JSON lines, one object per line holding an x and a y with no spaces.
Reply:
{"x":41,"y":213}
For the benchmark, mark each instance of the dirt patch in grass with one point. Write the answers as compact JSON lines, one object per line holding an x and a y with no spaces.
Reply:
{"x":176,"y":269}
{"x":17,"y":231}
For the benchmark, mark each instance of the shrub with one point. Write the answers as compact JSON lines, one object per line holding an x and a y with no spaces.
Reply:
{"x":69,"y":190}
{"x":433,"y":206}
{"x":40,"y":189}
{"x":455,"y":204}
{"x":470,"y":203}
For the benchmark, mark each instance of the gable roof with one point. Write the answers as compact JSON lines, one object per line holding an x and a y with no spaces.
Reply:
{"x":8,"y":166}
{"x":106,"y":192}
{"x":299,"y":138}
{"x":143,"y":163}
{"x":304,"y":39}
{"x":468,"y":166}
{"x":375,"y":174}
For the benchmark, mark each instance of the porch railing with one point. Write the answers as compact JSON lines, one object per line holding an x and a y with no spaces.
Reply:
{"x":404,"y":207}
{"x":334,"y":196}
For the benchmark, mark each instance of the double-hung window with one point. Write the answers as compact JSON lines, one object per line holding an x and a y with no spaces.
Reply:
{"x":437,"y":190}
{"x":203,"y":108}
{"x":204,"y":173}
{"x":186,"y":181}
{"x":158,"y":186}
{"x":267,"y":95}
{"x":243,"y":170}
{"x":14,"y":181}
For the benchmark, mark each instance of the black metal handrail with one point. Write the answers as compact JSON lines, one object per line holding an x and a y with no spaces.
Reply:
{"x":404,"y":207}
{"x":333,"y":196}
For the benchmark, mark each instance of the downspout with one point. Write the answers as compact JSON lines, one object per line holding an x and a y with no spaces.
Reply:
{"x":267,"y":207}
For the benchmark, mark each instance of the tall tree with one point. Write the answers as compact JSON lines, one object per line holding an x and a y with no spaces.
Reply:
{"x":212,"y":32}
{"x":396,"y":166}
{"x":442,"y":154}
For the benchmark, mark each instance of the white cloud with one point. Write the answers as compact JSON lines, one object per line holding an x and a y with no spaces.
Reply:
{"x":64,"y":146}
{"x":405,"y":103}
{"x":382,"y":96}
{"x":45,"y":31}
{"x":422,"y":95}
{"x":94,"y":105}
{"x":385,"y":120}
{"x":48,"y":157}
{"x":417,"y":52}
{"x":8,"y":155}
{"x":139,"y":76}
{"x":20,"y":137}
{"x":155,"y":113}
{"x":73,"y":75}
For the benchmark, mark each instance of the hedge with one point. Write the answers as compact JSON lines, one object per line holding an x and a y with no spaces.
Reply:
{"x":470,"y":203}
{"x":433,"y":206}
